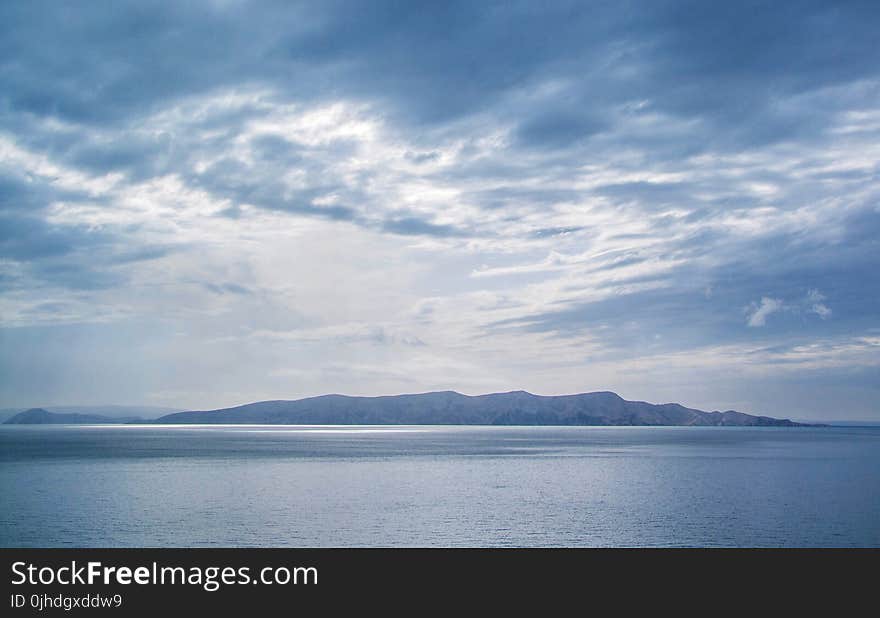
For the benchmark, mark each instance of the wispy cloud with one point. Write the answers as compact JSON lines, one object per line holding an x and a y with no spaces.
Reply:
{"x":811,"y":303}
{"x":759,"y":312}
{"x":545,"y":197}
{"x":815,"y":300}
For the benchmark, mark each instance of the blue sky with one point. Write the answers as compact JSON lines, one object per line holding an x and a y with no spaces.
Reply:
{"x":209,"y":203}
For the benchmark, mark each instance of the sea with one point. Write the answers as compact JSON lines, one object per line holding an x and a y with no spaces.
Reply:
{"x":438,"y":486}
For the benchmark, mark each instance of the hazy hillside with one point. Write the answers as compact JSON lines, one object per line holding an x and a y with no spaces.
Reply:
{"x":451,"y":408}
{"x":112,"y":412}
{"x":40,"y":416}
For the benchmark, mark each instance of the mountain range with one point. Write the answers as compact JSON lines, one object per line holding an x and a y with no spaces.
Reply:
{"x":451,"y":408}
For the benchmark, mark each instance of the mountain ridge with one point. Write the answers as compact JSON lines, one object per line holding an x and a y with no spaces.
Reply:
{"x":600,"y":408}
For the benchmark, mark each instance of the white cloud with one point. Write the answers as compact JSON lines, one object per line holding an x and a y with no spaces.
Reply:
{"x":812,"y":303}
{"x":814,"y":299}
{"x":760,"y":311}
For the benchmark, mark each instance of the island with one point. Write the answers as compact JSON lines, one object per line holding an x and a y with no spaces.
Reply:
{"x":452,"y":408}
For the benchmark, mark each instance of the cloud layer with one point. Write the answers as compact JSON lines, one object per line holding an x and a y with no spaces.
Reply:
{"x":215,"y":202}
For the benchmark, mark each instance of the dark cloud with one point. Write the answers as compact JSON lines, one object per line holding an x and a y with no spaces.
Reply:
{"x":36,"y":251}
{"x":422,"y":157}
{"x":416,"y":226}
{"x":736,"y":73}
{"x":431,"y":62}
{"x":558,"y":129}
{"x":133,"y":155}
{"x":659,"y":193}
{"x":25,"y":237}
{"x":260,"y":185}
{"x":23,"y":194}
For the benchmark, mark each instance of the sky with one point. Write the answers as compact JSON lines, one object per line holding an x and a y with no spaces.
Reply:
{"x":204,"y":204}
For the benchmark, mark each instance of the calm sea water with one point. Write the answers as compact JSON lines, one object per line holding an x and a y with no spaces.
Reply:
{"x":438,"y":486}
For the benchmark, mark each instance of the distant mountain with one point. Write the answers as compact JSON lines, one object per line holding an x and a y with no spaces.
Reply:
{"x":451,"y":408}
{"x":114,"y":412}
{"x":40,"y":416}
